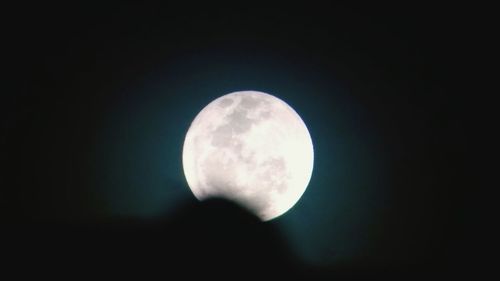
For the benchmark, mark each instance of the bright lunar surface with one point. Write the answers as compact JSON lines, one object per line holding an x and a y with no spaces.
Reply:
{"x":252,"y":148}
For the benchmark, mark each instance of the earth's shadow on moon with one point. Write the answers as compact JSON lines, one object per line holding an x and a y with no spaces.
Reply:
{"x":215,"y":238}
{"x":211,"y":238}
{"x":219,"y":232}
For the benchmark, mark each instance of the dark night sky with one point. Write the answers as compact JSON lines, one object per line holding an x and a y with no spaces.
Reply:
{"x":103,"y":96}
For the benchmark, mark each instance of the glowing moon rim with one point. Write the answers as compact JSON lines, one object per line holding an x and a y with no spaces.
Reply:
{"x":252,"y":148}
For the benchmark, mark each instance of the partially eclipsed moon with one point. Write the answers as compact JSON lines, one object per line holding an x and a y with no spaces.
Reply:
{"x":252,"y":148}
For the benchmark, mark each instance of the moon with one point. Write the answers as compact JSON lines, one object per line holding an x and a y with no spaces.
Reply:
{"x":251,"y":148}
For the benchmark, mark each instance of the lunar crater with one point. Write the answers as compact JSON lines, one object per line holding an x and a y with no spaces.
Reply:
{"x":226,"y":102}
